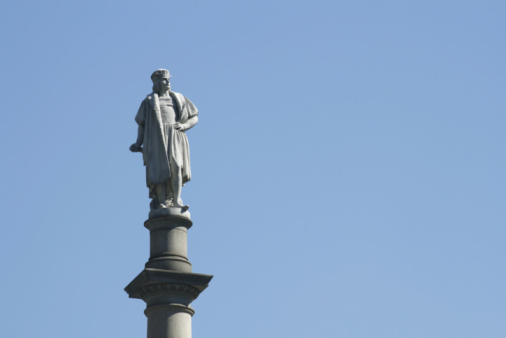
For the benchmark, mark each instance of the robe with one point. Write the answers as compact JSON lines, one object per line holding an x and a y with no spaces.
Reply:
{"x":162,"y":143}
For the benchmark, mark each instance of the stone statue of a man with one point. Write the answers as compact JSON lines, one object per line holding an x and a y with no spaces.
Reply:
{"x":163,"y":118}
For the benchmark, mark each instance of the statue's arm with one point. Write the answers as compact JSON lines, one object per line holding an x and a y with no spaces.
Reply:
{"x":190,"y":123}
{"x":192,"y":111}
{"x":136,"y":147}
{"x":140,"y":135}
{"x":140,"y":119}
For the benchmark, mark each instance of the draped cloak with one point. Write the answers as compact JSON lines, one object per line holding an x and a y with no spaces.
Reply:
{"x":162,"y":143}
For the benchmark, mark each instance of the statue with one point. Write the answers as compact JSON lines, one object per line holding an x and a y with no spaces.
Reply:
{"x":163,"y":118}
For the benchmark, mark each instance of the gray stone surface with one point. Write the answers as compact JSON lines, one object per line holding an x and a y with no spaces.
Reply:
{"x":149,"y":282}
{"x":167,"y":283}
{"x":168,"y":242}
{"x":168,"y":295}
{"x":163,"y":118}
{"x":175,"y":212}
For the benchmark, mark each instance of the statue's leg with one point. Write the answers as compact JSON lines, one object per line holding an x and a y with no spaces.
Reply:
{"x":160,"y":195}
{"x":177,"y":182}
{"x":168,"y":192}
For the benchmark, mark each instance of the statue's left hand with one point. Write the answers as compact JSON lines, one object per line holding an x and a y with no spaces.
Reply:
{"x":135,"y":148}
{"x":179,"y":126}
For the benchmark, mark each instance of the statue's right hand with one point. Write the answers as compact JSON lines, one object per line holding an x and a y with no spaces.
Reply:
{"x":135,"y":148}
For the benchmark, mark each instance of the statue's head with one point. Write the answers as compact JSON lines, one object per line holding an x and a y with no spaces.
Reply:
{"x":161,"y":79}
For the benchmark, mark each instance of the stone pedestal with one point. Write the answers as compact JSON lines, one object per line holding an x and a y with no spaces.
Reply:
{"x":167,"y":283}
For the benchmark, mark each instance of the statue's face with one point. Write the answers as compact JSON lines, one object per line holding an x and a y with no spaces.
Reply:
{"x":164,"y":83}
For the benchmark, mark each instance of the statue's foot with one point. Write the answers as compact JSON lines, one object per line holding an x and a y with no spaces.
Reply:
{"x":162,"y":206}
{"x":179,"y":204}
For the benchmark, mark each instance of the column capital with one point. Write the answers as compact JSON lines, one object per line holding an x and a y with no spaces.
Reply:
{"x":155,"y":283}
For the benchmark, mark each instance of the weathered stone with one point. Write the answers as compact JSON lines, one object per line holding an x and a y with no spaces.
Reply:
{"x":168,"y":295}
{"x":167,"y":283}
{"x":163,"y":118}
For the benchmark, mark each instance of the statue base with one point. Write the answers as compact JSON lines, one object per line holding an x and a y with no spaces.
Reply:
{"x":176,"y":212}
{"x":167,"y":284}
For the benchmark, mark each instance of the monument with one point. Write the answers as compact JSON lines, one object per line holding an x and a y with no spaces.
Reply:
{"x":167,"y":283}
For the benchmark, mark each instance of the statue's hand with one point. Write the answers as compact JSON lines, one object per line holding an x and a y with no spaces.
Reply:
{"x":135,"y":148}
{"x":179,"y":126}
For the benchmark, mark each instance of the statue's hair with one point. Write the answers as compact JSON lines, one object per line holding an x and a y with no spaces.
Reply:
{"x":155,"y":77}
{"x":156,"y":85}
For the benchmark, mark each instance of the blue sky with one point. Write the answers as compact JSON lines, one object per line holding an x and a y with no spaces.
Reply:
{"x":348,"y":167}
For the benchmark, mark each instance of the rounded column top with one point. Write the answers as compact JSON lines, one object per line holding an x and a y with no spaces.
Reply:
{"x":168,"y":217}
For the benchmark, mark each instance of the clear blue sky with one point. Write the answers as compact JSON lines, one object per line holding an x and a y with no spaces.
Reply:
{"x":348,"y":167}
